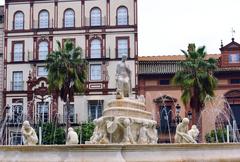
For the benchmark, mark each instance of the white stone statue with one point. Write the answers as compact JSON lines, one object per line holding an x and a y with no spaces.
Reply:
{"x":123,"y":78}
{"x":143,"y":134}
{"x":194,"y":132}
{"x":100,"y":134}
{"x":29,"y":134}
{"x":141,"y":98}
{"x":127,"y":132}
{"x":182,"y":135}
{"x":72,"y":137}
{"x":152,"y":133}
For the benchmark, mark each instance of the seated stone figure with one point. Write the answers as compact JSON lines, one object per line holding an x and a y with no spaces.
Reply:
{"x":100,"y":134}
{"x":127,"y":131}
{"x":182,"y":135}
{"x":29,"y":134}
{"x":72,"y":137}
{"x":143,"y":134}
{"x":194,"y":132}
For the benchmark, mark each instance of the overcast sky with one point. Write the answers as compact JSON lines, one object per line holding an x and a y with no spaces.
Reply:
{"x":166,"y":26}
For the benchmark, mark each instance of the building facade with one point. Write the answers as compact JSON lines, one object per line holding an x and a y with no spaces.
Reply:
{"x":163,"y":98}
{"x":1,"y":55}
{"x":104,"y":29}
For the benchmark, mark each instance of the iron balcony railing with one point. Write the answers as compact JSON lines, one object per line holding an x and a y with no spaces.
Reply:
{"x":95,"y":23}
{"x":43,"y":25}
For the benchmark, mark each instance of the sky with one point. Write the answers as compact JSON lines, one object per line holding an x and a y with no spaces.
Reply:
{"x":166,"y":26}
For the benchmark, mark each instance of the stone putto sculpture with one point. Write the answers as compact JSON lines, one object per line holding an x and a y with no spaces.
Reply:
{"x":143,"y":134}
{"x":182,"y":135}
{"x":127,"y":132}
{"x":123,"y":78}
{"x":72,"y":137}
{"x":99,"y":133}
{"x":29,"y":134}
{"x":194,"y":132}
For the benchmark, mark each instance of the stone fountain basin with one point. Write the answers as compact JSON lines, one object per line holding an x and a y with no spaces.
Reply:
{"x":122,"y":153}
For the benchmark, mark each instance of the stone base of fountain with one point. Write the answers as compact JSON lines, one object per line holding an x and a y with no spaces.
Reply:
{"x":122,"y":153}
{"x":125,"y":121}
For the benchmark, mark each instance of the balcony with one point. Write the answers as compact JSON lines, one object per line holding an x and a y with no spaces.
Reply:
{"x":95,"y":24}
{"x":16,"y":119}
{"x":17,"y":86}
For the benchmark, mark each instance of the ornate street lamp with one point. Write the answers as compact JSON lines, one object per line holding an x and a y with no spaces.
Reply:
{"x":178,"y":117}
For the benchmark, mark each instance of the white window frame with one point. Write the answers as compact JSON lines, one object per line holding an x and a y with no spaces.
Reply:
{"x":95,"y":72}
{"x":95,"y":48}
{"x":19,"y":20}
{"x":43,"y":19}
{"x":122,"y":47}
{"x":122,"y":16}
{"x":69,"y":18}
{"x":234,"y":58}
{"x":43,"y":50}
{"x":18,"y":52}
{"x":17,"y":83}
{"x":42,"y":71}
{"x":95,"y":17}
{"x":41,"y":111}
{"x":97,"y":107}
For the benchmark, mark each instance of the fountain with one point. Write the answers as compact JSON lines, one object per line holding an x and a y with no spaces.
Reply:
{"x":127,"y":133}
{"x":125,"y":119}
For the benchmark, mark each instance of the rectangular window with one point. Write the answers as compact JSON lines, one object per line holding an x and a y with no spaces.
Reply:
{"x":17,"y":83}
{"x":122,"y":47}
{"x":16,"y":138}
{"x":95,"y":108}
{"x":72,"y":114}
{"x":43,"y":111}
{"x":18,"y":51}
{"x":95,"y":72}
{"x":235,"y":81}
{"x":17,"y":111}
{"x":42,"y":71}
{"x":164,"y":82}
{"x":234,"y":58}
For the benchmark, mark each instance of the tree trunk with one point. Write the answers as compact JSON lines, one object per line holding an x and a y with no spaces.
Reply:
{"x":68,"y":115}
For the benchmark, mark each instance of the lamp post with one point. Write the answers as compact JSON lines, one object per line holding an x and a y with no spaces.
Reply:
{"x":178,"y":117}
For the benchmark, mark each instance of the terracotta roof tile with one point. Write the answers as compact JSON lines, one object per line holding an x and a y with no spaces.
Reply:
{"x":171,"y":57}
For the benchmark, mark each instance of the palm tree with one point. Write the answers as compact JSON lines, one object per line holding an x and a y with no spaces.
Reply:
{"x":196,"y":78}
{"x":67,"y":71}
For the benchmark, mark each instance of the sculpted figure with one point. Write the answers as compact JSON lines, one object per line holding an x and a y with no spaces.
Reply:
{"x":29,"y":134}
{"x":141,"y":98}
{"x":194,"y":132}
{"x":143,"y":134}
{"x":152,"y":133}
{"x":99,"y":134}
{"x":123,"y":78}
{"x":72,"y":137}
{"x":182,"y":135}
{"x":127,"y":132}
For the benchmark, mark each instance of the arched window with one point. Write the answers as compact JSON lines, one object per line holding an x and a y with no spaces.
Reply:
{"x":69,"y":18}
{"x":43,"y":19}
{"x":43,"y":50}
{"x":95,"y":48}
{"x":122,"y":16}
{"x":95,"y":17}
{"x":19,"y":20}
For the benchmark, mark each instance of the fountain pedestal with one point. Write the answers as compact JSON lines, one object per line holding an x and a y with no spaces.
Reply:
{"x":125,"y":121}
